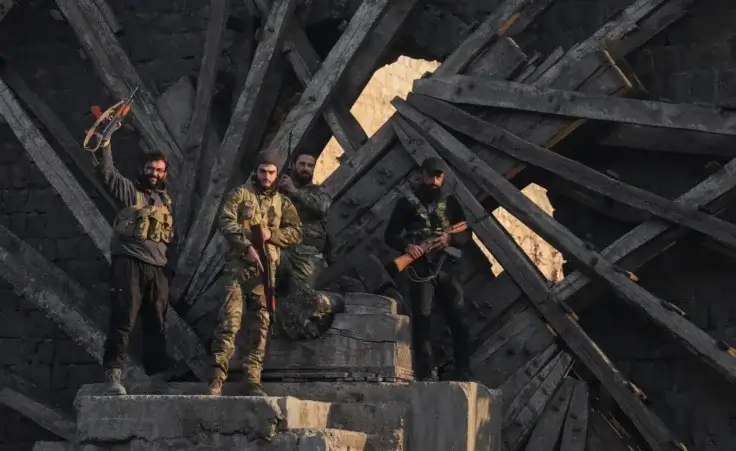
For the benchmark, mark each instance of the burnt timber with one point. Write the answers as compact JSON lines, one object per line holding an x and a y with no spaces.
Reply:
{"x":510,"y":104}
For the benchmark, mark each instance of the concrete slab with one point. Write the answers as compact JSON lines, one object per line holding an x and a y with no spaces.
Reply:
{"x":435,"y":416}
{"x":55,"y":446}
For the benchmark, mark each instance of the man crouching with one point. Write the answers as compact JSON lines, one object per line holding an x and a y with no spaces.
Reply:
{"x":256,"y":202}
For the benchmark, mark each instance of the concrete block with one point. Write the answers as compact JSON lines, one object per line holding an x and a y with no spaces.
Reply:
{"x":55,"y":446}
{"x":435,"y":416}
{"x":357,"y":346}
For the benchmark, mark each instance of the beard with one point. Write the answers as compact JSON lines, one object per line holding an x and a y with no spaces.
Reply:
{"x":145,"y":182}
{"x":303,"y":178}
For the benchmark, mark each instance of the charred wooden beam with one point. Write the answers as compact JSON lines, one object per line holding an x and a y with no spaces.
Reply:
{"x":119,"y":75}
{"x":296,"y":127}
{"x":697,"y":341}
{"x":73,"y":195}
{"x":219,"y":10}
{"x":109,"y":15}
{"x":572,"y":171}
{"x":32,"y":401}
{"x":55,"y":127}
{"x":527,"y":275}
{"x":576,"y":421}
{"x":306,"y":63}
{"x":248,"y":122}
{"x":548,"y":430}
{"x":522,"y":97}
{"x":665,"y":140}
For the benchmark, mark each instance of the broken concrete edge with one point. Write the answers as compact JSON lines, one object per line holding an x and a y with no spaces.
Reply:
{"x":447,"y":415}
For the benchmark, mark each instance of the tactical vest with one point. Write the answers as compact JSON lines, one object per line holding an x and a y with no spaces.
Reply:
{"x":427,"y":220}
{"x":146,"y":222}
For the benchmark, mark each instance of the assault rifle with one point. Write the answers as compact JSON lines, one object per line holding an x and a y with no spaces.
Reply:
{"x":401,"y":262}
{"x":107,"y":123}
{"x":256,"y":233}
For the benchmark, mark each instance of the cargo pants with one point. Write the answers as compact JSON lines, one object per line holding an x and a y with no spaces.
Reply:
{"x":300,"y":267}
{"x":244,"y":290}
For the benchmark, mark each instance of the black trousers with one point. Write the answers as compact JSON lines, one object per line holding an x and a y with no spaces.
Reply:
{"x":448,"y":292}
{"x":137,"y":288}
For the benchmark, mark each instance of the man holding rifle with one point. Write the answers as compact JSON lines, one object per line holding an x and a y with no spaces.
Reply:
{"x":423,"y":226}
{"x":253,"y":212}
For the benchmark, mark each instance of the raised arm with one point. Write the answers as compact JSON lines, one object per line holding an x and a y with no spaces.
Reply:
{"x":119,"y":187}
{"x":456,"y":214}
{"x":312,"y":199}
{"x":394,"y":234}
{"x":290,"y":230}
{"x":231,"y":223}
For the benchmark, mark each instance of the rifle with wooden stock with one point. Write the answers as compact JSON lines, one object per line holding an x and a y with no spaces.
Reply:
{"x":268,"y":286}
{"x":401,"y":262}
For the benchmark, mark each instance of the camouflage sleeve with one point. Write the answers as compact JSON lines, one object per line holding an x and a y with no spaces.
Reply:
{"x":231,"y":225}
{"x":313,"y":199}
{"x":290,"y":231}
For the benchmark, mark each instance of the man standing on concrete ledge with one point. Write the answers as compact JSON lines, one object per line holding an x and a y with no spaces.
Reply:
{"x":302,"y":263}
{"x":143,"y":230}
{"x":417,"y":218}
{"x":257,"y":202}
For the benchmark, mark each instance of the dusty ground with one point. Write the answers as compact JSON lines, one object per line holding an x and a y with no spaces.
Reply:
{"x":373,"y":108}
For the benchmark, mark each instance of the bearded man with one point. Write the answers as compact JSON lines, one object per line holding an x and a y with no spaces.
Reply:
{"x":143,"y":231}
{"x":302,"y":263}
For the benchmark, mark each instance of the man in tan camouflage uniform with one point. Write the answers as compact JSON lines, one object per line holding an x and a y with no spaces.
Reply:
{"x":302,"y":263}
{"x":256,"y":202}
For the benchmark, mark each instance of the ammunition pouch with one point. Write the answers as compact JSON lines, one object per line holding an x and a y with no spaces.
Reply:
{"x":153,"y":223}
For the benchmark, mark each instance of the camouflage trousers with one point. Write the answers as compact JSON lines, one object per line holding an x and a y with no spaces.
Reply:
{"x":244,"y":288}
{"x":300,"y":267}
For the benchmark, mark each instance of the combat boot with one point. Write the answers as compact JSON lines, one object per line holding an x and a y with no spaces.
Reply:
{"x":214,"y":388}
{"x":114,"y":382}
{"x":253,"y":385}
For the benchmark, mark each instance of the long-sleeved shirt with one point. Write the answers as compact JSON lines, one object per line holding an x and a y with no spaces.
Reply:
{"x":124,"y":191}
{"x":313,"y":204}
{"x":246,"y":206}
{"x":405,"y":213}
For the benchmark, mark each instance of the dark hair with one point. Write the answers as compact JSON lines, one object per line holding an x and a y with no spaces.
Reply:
{"x":296,"y":156}
{"x":155,"y":156}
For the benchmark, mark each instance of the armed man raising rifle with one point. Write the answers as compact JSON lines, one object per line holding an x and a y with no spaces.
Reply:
{"x":143,"y":231}
{"x":254,"y":204}
{"x":428,"y":215}
{"x":302,"y":263}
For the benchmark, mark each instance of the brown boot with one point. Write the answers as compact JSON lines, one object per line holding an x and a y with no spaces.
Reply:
{"x":215,"y":386}
{"x":253,"y":385}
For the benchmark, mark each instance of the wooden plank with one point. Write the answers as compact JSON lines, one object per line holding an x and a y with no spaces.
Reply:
{"x":572,"y":171}
{"x":519,"y":425}
{"x":665,"y":140}
{"x":501,"y":61}
{"x":56,"y":128}
{"x":512,"y":386}
{"x":496,"y":24}
{"x":119,"y":75}
{"x":219,"y":11}
{"x":249,"y":120}
{"x":110,"y":19}
{"x":296,"y":127}
{"x":517,"y":263}
{"x":36,"y":404}
{"x":545,"y":65}
{"x":522,"y":97}
{"x":698,"y":342}
{"x":306,"y":63}
{"x":522,"y":323}
{"x":73,"y":195}
{"x":548,"y":430}
{"x":576,"y":422}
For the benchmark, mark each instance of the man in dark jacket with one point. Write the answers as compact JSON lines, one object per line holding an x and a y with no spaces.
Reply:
{"x":143,"y":230}
{"x":415,"y":219}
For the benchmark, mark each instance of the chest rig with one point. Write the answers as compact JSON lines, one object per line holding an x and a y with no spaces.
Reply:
{"x":144,"y":221}
{"x":427,"y":219}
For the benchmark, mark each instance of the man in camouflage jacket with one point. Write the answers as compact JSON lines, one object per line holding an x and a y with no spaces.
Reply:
{"x":302,"y":263}
{"x":254,"y":203}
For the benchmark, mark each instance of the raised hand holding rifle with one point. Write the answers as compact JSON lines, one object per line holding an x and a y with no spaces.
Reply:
{"x":441,"y":241}
{"x":107,"y":123}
